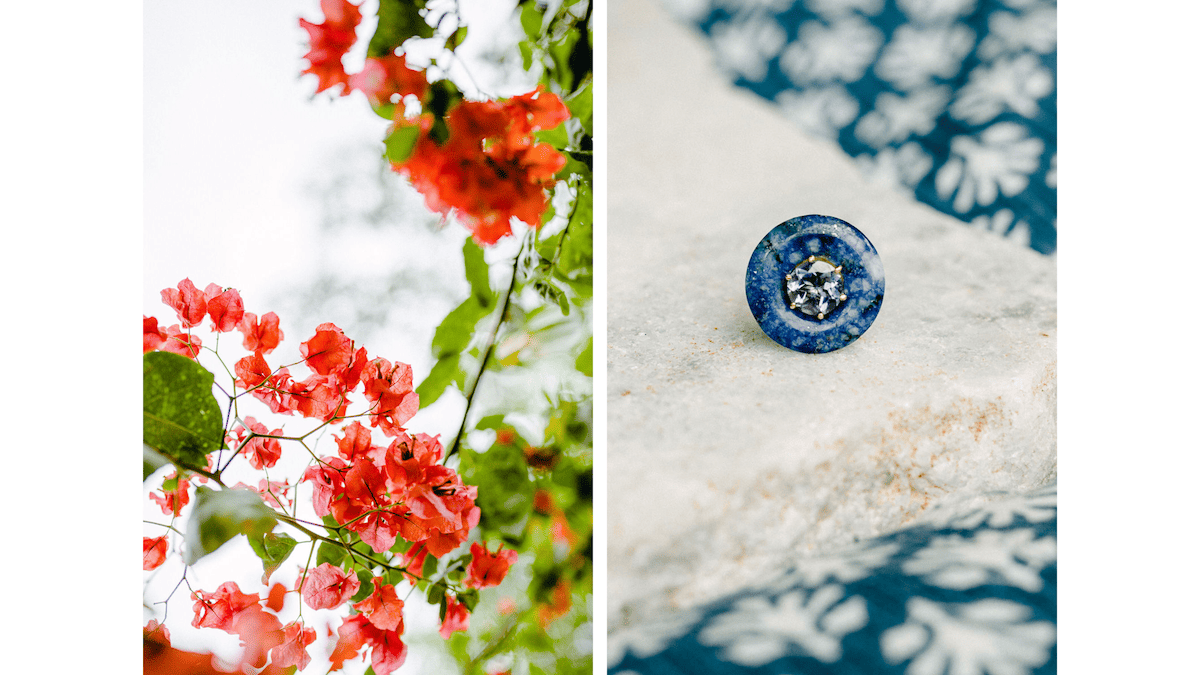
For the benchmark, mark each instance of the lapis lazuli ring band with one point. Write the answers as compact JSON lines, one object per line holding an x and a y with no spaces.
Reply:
{"x":814,"y":284}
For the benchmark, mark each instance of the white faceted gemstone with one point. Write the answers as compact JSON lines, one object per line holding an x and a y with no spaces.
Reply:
{"x":815,"y":287}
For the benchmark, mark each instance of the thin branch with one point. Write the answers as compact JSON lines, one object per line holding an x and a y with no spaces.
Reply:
{"x":487,"y":354}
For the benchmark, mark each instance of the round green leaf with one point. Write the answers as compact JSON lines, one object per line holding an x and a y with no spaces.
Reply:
{"x":180,"y":416}
{"x":221,"y":515}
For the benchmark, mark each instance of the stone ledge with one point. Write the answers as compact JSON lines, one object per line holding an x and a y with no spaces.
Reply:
{"x":728,"y":455}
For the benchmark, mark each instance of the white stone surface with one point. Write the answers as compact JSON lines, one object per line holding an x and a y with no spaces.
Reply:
{"x":729,"y":455}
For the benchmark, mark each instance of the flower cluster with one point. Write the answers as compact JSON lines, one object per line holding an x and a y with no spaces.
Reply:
{"x":488,"y":171}
{"x":397,"y":497}
{"x":256,"y":622}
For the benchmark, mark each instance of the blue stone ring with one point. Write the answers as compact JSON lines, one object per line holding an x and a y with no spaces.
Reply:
{"x":814,"y":284}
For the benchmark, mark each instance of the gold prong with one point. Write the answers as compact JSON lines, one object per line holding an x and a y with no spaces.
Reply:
{"x":842,"y":297}
{"x":820,"y":315}
{"x":812,"y":258}
{"x":838,"y":268}
{"x":792,"y":305}
{"x":788,"y":276}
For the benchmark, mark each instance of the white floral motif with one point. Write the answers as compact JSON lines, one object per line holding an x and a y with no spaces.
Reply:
{"x":1001,"y":223}
{"x":649,"y":637}
{"x":1015,"y":84}
{"x":1035,"y":31}
{"x":960,"y":563}
{"x":841,"y":51}
{"x":758,"y":631}
{"x":936,"y":11}
{"x":821,"y":111}
{"x":1001,"y":160}
{"x":896,"y":117}
{"x":896,"y":167}
{"x":991,"y":636}
{"x":744,"y":46}
{"x":848,"y":565}
{"x":1038,"y":506}
{"x":916,"y":55}
{"x":831,"y":8}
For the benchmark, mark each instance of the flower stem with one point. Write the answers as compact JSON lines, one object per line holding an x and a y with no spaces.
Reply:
{"x":487,"y":353}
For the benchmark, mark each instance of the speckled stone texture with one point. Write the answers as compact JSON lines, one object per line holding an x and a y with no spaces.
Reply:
{"x":728,"y":454}
{"x":839,"y":244}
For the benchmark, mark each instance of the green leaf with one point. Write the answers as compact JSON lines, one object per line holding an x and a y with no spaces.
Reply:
{"x":531,"y":21}
{"x":437,"y":593}
{"x":399,"y":20}
{"x":399,"y":144}
{"x":580,"y":105}
{"x":273,"y":549}
{"x":457,"y":38}
{"x":180,"y":416}
{"x":583,"y":363}
{"x":429,"y":567}
{"x":477,"y":271}
{"x":365,"y":587}
{"x":330,"y":553}
{"x":558,"y":136}
{"x":444,"y":373}
{"x":221,"y":515}
{"x":151,"y":461}
{"x":469,"y":599}
{"x":491,"y":422}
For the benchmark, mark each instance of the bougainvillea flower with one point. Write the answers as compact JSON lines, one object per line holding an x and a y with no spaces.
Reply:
{"x":152,"y":335}
{"x":487,"y":568}
{"x":560,"y":603}
{"x":293,"y":652}
{"x":179,"y":342}
{"x":275,"y":598}
{"x":388,"y":651}
{"x":490,"y":169}
{"x":326,"y":586}
{"x":260,"y":335}
{"x":174,"y":496}
{"x":274,"y":493}
{"x":357,"y":442}
{"x":352,"y":635}
{"x":251,"y":371}
{"x":154,"y":552}
{"x":383,"y":608}
{"x":188,"y":302}
{"x":457,"y":618}
{"x":543,"y":502}
{"x":328,"y":481}
{"x":389,"y":387}
{"x":226,"y":310}
{"x":385,"y":77}
{"x":153,"y":626}
{"x":538,"y":109}
{"x":328,"y":351}
{"x":260,"y":632}
{"x":261,"y":452}
{"x":318,"y":396}
{"x":329,"y":41}
{"x":218,"y":609}
{"x":274,"y":392}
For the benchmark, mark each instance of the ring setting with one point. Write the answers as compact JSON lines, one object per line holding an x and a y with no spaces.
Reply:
{"x":814,"y":284}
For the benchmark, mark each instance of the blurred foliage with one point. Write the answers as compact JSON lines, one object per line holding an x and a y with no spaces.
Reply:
{"x":527,"y":439}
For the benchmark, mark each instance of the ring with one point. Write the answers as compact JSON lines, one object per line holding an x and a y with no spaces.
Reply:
{"x":814,"y":284}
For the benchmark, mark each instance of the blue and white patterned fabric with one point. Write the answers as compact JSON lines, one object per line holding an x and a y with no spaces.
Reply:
{"x":955,"y":100}
{"x":966,"y":592}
